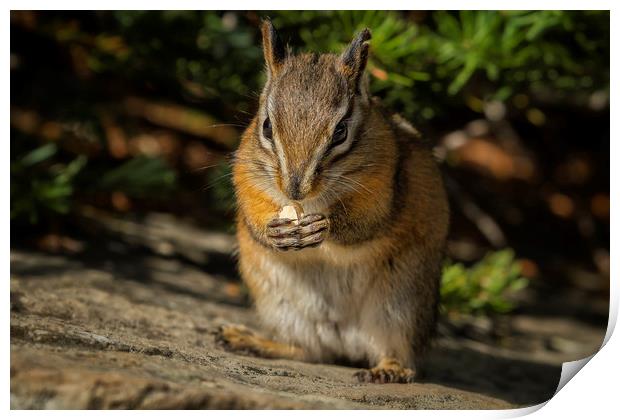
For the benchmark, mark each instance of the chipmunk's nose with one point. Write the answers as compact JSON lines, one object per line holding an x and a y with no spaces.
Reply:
{"x":294,"y":187}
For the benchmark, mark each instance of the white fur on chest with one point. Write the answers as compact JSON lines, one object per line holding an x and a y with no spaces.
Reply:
{"x":316,"y":299}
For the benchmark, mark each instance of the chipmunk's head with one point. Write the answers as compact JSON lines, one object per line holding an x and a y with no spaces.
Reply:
{"x":311,"y":115}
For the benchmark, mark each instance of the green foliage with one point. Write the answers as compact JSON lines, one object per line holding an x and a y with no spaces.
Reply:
{"x":39,"y":185}
{"x":508,"y":47}
{"x":212,"y":55}
{"x":453,"y":55}
{"x":45,"y":183}
{"x":421,"y":64}
{"x":138,"y":177}
{"x":485,"y":288}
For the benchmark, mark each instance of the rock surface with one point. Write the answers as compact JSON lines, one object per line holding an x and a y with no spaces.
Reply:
{"x":120,"y":329}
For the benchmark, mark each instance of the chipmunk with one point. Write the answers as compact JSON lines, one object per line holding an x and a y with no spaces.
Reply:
{"x":356,"y":275}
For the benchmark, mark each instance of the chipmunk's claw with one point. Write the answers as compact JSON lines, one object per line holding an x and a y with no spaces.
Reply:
{"x":385,"y":376}
{"x":309,"y":232}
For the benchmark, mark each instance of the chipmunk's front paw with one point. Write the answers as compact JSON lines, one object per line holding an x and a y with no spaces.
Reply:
{"x":286,"y":234}
{"x":379,"y":375}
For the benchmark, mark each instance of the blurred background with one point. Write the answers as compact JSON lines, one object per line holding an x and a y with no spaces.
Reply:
{"x":123,"y":124}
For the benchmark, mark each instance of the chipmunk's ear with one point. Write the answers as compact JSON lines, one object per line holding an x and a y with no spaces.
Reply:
{"x":273,"y":48}
{"x":353,"y":59}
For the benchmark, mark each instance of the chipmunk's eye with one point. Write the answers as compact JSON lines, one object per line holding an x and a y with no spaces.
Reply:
{"x":267,"y":131}
{"x":340,"y":133}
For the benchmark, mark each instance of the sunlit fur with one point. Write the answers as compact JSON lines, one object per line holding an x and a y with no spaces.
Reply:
{"x":370,"y":290}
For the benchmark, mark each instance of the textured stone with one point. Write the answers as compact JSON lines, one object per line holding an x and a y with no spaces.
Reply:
{"x":112,"y":329}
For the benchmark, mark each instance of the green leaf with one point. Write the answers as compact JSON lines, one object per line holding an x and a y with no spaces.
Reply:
{"x":139,"y":176}
{"x":39,"y":154}
{"x":484,"y":288}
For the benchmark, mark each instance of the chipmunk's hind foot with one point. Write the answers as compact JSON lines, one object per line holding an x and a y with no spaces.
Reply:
{"x":386,"y":376}
{"x":237,"y":339}
{"x":242,"y":340}
{"x":388,"y":371}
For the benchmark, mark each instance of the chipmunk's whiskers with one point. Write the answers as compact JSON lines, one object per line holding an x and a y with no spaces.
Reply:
{"x":358,"y":183}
